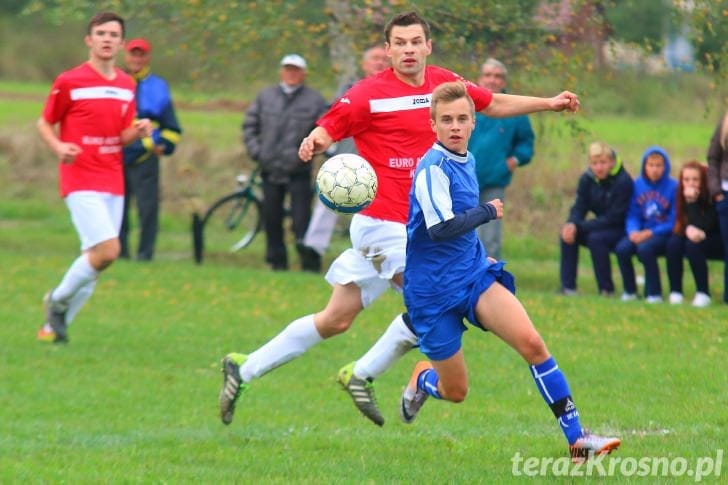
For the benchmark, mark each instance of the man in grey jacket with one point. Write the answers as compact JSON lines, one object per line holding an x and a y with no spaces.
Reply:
{"x":279,"y":118}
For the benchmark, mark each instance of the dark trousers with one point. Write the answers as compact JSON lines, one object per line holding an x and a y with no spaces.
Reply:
{"x":722,"y":209}
{"x":301,"y":193}
{"x":142,"y":184}
{"x":647,"y":252}
{"x":698,"y":255}
{"x":600,"y":244}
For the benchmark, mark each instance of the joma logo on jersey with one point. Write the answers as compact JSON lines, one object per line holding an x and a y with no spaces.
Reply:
{"x":424,"y":100}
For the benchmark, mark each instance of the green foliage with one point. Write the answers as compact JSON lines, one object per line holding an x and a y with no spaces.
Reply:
{"x":639,"y":21}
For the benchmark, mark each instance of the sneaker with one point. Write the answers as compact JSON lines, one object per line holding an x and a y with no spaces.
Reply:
{"x":568,"y":292}
{"x":629,"y":297}
{"x":361,"y":392}
{"x":652,"y":299}
{"x":676,"y":298}
{"x":55,"y":319}
{"x":46,"y":334}
{"x":232,"y":385}
{"x":590,"y":445}
{"x":701,"y":300}
{"x":413,"y":398}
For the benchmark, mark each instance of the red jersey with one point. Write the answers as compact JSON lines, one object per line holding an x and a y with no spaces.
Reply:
{"x":390,"y":123}
{"x":92,"y":112}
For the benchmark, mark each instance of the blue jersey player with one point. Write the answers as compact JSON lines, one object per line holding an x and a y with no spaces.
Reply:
{"x":448,"y":277}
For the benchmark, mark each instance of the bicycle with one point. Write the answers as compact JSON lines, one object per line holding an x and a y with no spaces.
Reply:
{"x":232,"y":221}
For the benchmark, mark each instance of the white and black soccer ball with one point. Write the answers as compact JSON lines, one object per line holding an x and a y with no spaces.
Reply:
{"x":346,"y":183}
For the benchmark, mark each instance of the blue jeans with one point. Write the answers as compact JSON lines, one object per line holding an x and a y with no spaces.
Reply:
{"x":698,"y":254}
{"x":647,"y":252}
{"x":600,"y":243}
{"x":722,"y":209}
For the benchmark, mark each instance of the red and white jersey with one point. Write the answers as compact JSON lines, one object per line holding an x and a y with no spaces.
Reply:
{"x":390,"y":123}
{"x":92,"y":112}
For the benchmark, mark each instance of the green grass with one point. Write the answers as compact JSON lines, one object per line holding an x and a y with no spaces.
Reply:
{"x":133,"y":397}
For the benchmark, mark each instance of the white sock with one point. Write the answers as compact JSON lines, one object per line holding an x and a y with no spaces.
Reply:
{"x":299,"y":336}
{"x":396,"y":341}
{"x":79,"y":274}
{"x":78,"y":300}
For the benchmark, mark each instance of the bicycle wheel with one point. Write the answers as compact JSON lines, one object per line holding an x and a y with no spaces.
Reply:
{"x":231,"y":223}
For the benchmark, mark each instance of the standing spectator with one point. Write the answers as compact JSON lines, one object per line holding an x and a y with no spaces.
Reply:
{"x":696,"y":234}
{"x":141,"y":158}
{"x":276,"y":122}
{"x":87,"y":118}
{"x":499,"y":145}
{"x":649,"y":223}
{"x":323,"y":220}
{"x":604,"y":189}
{"x":718,"y":187}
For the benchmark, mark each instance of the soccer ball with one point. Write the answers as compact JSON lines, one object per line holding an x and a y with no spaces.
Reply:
{"x":346,"y":183}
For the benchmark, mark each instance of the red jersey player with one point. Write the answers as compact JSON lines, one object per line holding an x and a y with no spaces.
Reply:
{"x":93,"y":107}
{"x":388,"y":116}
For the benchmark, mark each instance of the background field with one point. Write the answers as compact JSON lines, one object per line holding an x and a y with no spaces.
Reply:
{"x":133,"y":398}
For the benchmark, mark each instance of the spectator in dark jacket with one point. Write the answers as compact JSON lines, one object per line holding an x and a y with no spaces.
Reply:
{"x":279,"y":118}
{"x":718,"y":187}
{"x":604,"y":190}
{"x":696,"y":234}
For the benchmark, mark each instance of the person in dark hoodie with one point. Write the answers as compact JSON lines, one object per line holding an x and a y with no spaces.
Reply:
{"x":696,"y":234}
{"x":649,"y":223}
{"x":604,"y":189}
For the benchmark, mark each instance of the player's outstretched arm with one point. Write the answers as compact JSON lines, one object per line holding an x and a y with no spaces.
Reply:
{"x":504,"y":105}
{"x":316,"y":142}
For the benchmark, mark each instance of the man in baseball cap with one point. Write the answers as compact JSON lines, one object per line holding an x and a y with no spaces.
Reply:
{"x":139,"y":43}
{"x":293,"y":60}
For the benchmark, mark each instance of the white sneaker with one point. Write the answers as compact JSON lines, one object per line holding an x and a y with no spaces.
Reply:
{"x":653,"y":299}
{"x":676,"y":298}
{"x":701,"y":300}
{"x":629,"y":297}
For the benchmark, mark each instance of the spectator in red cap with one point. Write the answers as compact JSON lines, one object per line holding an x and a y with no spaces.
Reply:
{"x":141,"y":159}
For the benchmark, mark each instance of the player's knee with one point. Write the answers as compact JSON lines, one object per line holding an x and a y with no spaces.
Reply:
{"x":456,"y":393}
{"x":533,"y":348}
{"x":328,"y":327}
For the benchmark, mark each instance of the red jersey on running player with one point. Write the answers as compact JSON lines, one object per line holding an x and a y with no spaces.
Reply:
{"x":390,"y":123}
{"x":92,"y":111}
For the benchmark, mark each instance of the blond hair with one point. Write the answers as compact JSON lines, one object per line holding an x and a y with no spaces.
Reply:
{"x":599,"y":148}
{"x":449,"y":92}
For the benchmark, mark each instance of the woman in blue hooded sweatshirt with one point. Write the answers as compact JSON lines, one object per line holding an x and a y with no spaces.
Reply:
{"x":649,"y":223}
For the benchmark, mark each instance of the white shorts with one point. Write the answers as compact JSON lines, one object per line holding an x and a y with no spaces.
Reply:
{"x":95,"y":215}
{"x":377,"y":254}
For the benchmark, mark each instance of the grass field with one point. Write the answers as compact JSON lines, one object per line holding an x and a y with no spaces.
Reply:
{"x":133,"y":397}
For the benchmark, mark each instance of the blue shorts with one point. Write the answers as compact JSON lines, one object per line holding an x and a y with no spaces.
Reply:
{"x":438,"y":322}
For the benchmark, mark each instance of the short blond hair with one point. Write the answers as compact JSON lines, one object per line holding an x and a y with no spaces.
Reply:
{"x":449,"y":92}
{"x":599,"y":148}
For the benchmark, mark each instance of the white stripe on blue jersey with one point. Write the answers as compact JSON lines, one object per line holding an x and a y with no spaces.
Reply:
{"x":444,"y":185}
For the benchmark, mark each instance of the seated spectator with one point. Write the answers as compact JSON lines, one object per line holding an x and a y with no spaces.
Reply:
{"x":696,"y":234}
{"x":604,"y":190}
{"x":649,"y":223}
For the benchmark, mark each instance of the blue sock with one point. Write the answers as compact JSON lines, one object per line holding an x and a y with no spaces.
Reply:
{"x":555,"y":391}
{"x":427,"y":381}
